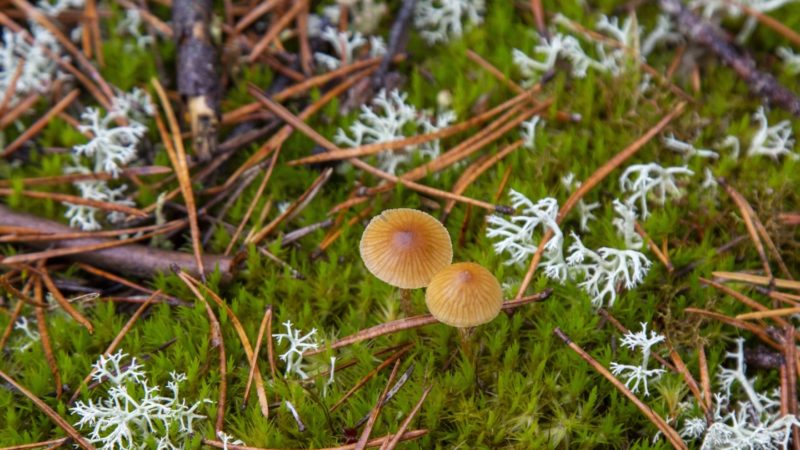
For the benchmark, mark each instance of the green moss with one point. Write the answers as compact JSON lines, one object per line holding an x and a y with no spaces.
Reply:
{"x":523,"y":388}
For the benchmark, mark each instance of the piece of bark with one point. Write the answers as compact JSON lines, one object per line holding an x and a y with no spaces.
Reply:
{"x":133,"y":260}
{"x":709,"y":36}
{"x":198,"y":81}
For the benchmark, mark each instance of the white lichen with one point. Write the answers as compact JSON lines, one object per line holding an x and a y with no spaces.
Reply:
{"x":636,"y":375}
{"x":601,"y":271}
{"x":58,"y":6}
{"x":686,"y":149}
{"x":443,"y":20}
{"x":345,"y":45}
{"x":133,"y":411}
{"x":517,"y":232}
{"x":584,"y":209}
{"x":791,"y":60}
{"x":772,"y":141}
{"x":298,"y":344}
{"x":33,"y":60}
{"x":642,"y":180}
{"x":626,"y":225}
{"x":389,"y":118}
{"x":131,"y":26}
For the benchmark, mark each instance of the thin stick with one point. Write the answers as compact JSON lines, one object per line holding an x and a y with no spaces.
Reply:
{"x":771,"y":313}
{"x":769,"y":22}
{"x":375,"y":442}
{"x":65,"y":198}
{"x":398,"y":144}
{"x":740,"y":297}
{"x":262,"y":8}
{"x":416,"y":322}
{"x":41,"y":323}
{"x":301,"y":126}
{"x":89,"y":248}
{"x":705,"y":379}
{"x":756,"y":330}
{"x":469,"y":176}
{"x":663,"y":256}
{"x":193,"y":284}
{"x":599,"y":175}
{"x":65,"y":305}
{"x":40,"y":124}
{"x":283,"y":134}
{"x":744,"y":208}
{"x":178,"y":159}
{"x":307,"y":195}
{"x":115,"y":343}
{"x":63,"y":424}
{"x":217,"y":341}
{"x":12,"y":86}
{"x":757,"y":280}
{"x":690,"y":381}
{"x":276,"y":28}
{"x":259,"y":192}
{"x":373,"y":416}
{"x":394,"y":357}
{"x":672,"y":436}
{"x":390,"y":445}
{"x":73,"y":177}
{"x":254,"y":360}
{"x":58,"y":442}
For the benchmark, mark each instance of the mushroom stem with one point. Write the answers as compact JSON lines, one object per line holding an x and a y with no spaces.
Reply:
{"x":405,"y":302}
{"x":465,"y":335}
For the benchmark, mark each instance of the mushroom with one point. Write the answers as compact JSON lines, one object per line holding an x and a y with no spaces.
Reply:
{"x":405,"y":248}
{"x":464,"y":295}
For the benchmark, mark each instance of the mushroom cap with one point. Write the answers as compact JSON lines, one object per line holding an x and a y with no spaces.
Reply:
{"x":464,"y":295}
{"x":405,"y":247}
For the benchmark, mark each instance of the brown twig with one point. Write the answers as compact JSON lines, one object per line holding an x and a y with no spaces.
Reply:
{"x":757,"y":280}
{"x":705,"y":379}
{"x":65,"y":305}
{"x":177,"y":156}
{"x":755,"y":329}
{"x":295,"y":207}
{"x":416,"y":322}
{"x":663,"y":256}
{"x":198,"y":81}
{"x":599,"y":175}
{"x":254,"y":360}
{"x":58,"y":442}
{"x":276,"y":28}
{"x":63,"y":424}
{"x":134,"y":260}
{"x":34,"y":129}
{"x":672,"y":436}
{"x":391,"y":444}
{"x":394,"y":357}
{"x":760,"y":83}
{"x":690,"y":381}
{"x":399,"y":144}
{"x":65,"y":198}
{"x":376,"y":410}
{"x":375,"y":442}
{"x":301,"y":126}
{"x":740,"y":297}
{"x":41,"y":323}
{"x":73,"y":177}
{"x":193,"y":285}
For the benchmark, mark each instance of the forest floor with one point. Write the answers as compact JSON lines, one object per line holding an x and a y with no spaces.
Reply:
{"x":627,"y":169}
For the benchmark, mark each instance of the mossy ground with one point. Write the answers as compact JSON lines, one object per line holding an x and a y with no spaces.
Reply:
{"x":524,"y":389}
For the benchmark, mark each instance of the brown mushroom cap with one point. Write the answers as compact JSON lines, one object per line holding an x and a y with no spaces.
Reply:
{"x":464,"y":295}
{"x":405,"y":247}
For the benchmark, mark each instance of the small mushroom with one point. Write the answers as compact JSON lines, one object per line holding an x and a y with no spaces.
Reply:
{"x":464,"y":295}
{"x":405,"y":247}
